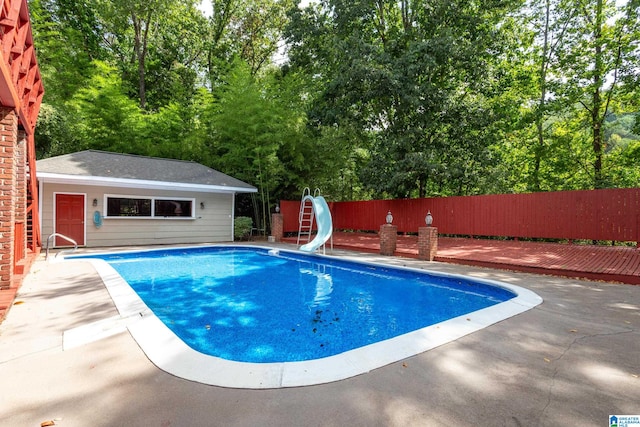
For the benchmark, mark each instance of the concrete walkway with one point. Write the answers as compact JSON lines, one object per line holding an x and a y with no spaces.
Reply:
{"x":573,"y":360}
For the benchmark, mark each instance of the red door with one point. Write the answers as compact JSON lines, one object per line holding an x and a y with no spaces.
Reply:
{"x":70,"y":218}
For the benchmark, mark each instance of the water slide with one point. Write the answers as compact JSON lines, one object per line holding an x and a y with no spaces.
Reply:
{"x":323,"y":220}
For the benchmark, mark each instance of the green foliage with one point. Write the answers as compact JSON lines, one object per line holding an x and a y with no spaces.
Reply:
{"x":382,"y":99}
{"x":54,"y":134}
{"x":242,"y":227}
{"x":249,"y":124}
{"x":584,"y":55}
{"x":66,"y":46}
{"x":415,"y":80}
{"x":105,"y":118}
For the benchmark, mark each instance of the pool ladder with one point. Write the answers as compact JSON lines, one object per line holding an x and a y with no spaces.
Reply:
{"x":62,"y":236}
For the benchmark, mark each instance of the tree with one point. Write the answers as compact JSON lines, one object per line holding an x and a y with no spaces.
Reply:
{"x":105,"y":118}
{"x":600,"y":43}
{"x":54,"y":134}
{"x":409,"y":78}
{"x":248,"y":126}
{"x":259,"y":31}
{"x":567,"y":109}
{"x":67,"y":43}
{"x":162,"y":32}
{"x":550,"y":22}
{"x":377,"y":98}
{"x":247,"y":30}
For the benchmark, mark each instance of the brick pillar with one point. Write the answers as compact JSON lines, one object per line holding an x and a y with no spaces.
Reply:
{"x":8,"y":177}
{"x":427,"y":243}
{"x":388,"y":239}
{"x":277,"y":226}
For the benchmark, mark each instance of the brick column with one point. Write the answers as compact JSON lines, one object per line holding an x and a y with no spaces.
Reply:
{"x":277,"y":226}
{"x":427,"y":243}
{"x":388,"y":239}
{"x":8,"y":178}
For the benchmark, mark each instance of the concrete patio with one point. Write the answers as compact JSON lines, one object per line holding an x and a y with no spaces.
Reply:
{"x":573,"y":360}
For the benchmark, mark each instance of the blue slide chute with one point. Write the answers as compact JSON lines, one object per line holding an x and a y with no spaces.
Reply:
{"x":323,"y":220}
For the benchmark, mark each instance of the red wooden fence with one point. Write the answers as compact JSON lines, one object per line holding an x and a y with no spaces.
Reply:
{"x":611,"y":214}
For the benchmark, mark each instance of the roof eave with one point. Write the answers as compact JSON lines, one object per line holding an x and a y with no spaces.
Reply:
{"x":56,"y":178}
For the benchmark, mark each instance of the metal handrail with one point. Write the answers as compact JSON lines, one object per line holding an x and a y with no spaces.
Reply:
{"x":69,"y":239}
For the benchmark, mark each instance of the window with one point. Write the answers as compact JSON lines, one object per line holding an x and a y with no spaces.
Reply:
{"x":173,"y":207}
{"x":123,"y":206}
{"x":148,"y":207}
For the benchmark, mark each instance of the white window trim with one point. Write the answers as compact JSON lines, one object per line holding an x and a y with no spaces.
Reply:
{"x":153,"y":208}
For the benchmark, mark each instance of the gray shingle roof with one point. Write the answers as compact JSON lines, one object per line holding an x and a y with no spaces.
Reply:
{"x":94,"y":163}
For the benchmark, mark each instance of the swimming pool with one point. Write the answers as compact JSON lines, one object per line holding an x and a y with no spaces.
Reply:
{"x":262,"y":318}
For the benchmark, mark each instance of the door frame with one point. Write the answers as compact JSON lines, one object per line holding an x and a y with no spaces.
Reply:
{"x":84,"y":215}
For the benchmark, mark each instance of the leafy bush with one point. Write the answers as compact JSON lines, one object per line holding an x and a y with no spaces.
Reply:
{"x":242,"y":228}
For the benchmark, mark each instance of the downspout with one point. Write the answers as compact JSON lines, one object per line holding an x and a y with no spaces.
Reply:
{"x":233,"y":209}
{"x":40,"y":201}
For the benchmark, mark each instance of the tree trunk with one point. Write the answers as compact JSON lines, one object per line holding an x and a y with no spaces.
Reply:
{"x":539,"y":150}
{"x":140,"y":42}
{"x":597,"y":117}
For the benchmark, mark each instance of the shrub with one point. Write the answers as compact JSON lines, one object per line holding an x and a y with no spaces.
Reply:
{"x":242,"y":227}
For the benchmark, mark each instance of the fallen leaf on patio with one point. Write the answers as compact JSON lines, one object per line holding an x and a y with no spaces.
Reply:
{"x":47,"y":423}
{"x":573,"y":330}
{"x":547,"y":360}
{"x":18,"y":302}
{"x":404,"y":365}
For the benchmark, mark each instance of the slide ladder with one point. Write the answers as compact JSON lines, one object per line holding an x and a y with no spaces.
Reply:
{"x":306,"y":216}
{"x":322,"y":215}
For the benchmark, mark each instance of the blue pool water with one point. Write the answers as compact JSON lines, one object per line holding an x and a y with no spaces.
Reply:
{"x":247,"y":304}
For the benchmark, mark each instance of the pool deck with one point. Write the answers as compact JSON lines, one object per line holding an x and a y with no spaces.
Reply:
{"x":595,"y":262}
{"x":573,"y":360}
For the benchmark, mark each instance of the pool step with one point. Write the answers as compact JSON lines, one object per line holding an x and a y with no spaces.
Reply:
{"x":96,"y":331}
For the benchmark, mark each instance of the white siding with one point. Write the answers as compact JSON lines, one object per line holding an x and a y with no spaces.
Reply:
{"x":211,"y":224}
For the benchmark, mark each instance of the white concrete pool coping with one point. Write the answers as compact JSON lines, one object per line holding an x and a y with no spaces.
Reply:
{"x":171,"y":354}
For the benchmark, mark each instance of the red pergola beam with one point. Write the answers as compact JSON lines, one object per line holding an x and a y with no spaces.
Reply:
{"x":20,"y":81}
{"x":21,"y":86}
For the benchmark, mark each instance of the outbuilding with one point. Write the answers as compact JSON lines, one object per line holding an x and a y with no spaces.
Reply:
{"x":97,"y":198}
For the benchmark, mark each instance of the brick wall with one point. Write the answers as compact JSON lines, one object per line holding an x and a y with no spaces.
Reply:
{"x":8,"y":192}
